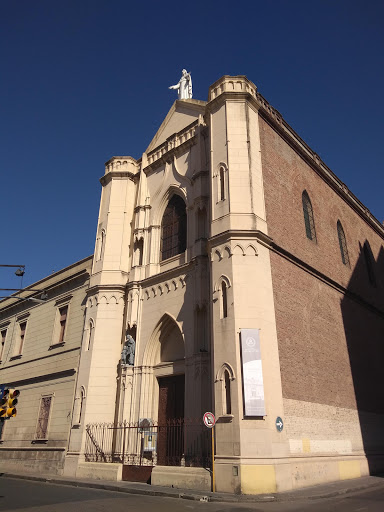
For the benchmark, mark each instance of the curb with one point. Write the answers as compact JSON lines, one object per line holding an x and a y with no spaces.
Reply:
{"x":299,"y":495}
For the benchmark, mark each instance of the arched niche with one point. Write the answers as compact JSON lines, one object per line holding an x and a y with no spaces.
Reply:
{"x":166,"y":343}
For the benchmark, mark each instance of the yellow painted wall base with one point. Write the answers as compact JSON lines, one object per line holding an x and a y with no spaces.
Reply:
{"x":258,"y":479}
{"x":349,"y":469}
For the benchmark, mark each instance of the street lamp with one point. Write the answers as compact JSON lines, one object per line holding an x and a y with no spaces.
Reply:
{"x":20,"y":269}
{"x":20,"y":272}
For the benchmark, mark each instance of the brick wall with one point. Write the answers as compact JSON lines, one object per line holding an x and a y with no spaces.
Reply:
{"x":330,"y":340}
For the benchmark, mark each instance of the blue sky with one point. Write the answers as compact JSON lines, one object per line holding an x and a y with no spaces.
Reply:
{"x":85,"y":80}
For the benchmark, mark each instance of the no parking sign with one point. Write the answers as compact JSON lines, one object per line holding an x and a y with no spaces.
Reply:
{"x":209,"y":419}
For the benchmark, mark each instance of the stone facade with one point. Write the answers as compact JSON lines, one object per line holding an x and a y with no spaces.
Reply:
{"x":234,"y":175}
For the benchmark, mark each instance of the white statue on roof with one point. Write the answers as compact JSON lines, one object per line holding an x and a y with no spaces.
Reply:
{"x":184,"y":86}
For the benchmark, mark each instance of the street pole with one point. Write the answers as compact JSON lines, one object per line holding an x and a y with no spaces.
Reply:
{"x":213,"y":459}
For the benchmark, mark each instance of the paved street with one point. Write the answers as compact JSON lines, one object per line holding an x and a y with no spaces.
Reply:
{"x":23,"y":495}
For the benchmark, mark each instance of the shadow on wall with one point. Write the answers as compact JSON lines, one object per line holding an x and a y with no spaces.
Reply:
{"x":363,"y":315}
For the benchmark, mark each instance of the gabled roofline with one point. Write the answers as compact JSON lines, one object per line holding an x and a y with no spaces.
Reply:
{"x":191,"y":104}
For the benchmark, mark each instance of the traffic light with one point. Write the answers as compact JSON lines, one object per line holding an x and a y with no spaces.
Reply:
{"x":8,"y":402}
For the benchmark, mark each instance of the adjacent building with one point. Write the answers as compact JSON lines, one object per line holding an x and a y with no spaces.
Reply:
{"x":40,"y":350}
{"x":250,"y":283}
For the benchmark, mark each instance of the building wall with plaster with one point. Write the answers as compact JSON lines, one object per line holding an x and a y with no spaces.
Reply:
{"x":45,"y":368}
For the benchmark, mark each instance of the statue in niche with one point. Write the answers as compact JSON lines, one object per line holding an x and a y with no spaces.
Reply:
{"x":128,"y":352}
{"x":184,"y":86}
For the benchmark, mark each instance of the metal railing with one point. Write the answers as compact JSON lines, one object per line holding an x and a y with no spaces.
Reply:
{"x":181,"y":442}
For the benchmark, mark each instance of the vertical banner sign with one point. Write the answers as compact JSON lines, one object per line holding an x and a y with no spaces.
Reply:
{"x":253,"y":385}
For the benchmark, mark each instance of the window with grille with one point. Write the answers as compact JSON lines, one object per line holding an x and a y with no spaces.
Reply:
{"x":342,"y":244}
{"x":308,"y":217}
{"x":43,"y":420}
{"x":174,"y":228}
{"x":63,"y":313}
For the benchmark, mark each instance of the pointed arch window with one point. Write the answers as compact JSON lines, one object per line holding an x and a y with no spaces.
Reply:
{"x":224,"y":300}
{"x":342,"y":244}
{"x":368,"y":257}
{"x":101,"y":245}
{"x":91,"y":333}
{"x":81,"y":404}
{"x":308,"y":217}
{"x":138,"y":249}
{"x":174,"y":228}
{"x":227,"y":393}
{"x":222,"y":183}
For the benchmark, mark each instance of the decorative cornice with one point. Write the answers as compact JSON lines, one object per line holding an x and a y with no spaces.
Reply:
{"x":97,"y":288}
{"x":176,"y":144}
{"x":104,"y":180}
{"x":27,"y":361}
{"x":162,"y":276}
{"x":244,"y":90}
{"x":276,"y":121}
{"x":227,"y":235}
{"x":42,"y":378}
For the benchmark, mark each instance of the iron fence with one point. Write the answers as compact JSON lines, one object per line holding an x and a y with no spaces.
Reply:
{"x":181,"y":442}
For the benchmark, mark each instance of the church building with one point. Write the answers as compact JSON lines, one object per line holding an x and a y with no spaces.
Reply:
{"x":233,"y":273}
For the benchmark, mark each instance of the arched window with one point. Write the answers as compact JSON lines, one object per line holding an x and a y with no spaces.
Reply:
{"x":81,"y":404}
{"x":227,"y":395}
{"x":91,"y":332}
{"x":308,"y":217}
{"x":342,"y":244}
{"x":369,"y":263}
{"x":224,"y":300}
{"x":101,"y":245}
{"x":222,"y":184}
{"x":174,"y":228}
{"x":138,"y":252}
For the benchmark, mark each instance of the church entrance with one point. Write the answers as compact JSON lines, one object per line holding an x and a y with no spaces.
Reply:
{"x":170,"y":442}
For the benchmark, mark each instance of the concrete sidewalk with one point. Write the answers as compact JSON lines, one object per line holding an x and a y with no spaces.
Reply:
{"x":309,"y":493}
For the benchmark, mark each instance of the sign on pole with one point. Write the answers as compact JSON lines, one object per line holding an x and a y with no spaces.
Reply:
{"x":209,"y":419}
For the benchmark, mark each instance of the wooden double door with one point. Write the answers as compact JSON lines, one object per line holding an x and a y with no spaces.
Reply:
{"x":170,"y":436}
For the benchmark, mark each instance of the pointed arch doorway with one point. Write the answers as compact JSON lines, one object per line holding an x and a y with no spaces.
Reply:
{"x":166,"y":354}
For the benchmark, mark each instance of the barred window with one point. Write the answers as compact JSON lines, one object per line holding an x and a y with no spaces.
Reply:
{"x":174,"y":228}
{"x":343,"y":244}
{"x":308,"y":217}
{"x":44,"y":412}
